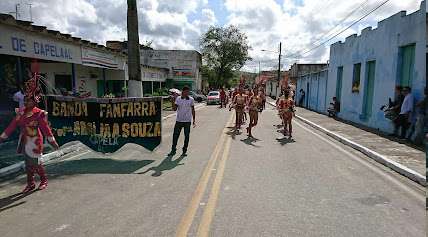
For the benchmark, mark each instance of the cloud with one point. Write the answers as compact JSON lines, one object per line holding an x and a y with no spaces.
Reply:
{"x":302,"y":24}
{"x":178,"y":24}
{"x":166,"y":23}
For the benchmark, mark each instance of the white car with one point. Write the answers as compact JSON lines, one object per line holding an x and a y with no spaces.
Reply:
{"x":213,"y":98}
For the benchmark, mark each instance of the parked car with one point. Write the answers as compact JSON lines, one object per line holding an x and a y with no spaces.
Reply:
{"x":213,"y":97}
{"x":198,"y":97}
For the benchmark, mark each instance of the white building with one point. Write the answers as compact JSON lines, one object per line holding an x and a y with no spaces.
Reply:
{"x":183,"y":66}
{"x":67,"y":63}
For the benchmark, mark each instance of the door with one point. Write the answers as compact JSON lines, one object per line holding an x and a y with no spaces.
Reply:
{"x":307,"y":95}
{"x":339,"y":84}
{"x":369,"y":89}
{"x":100,"y":88}
{"x":407,"y":65}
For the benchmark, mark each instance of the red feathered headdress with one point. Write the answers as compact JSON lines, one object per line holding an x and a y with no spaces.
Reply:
{"x":32,"y":88}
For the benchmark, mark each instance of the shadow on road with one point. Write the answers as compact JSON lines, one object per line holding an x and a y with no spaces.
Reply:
{"x":233,"y":132}
{"x":285,"y":140}
{"x":167,"y":164}
{"x":250,"y":140}
{"x":95,"y":166}
{"x":10,"y":201}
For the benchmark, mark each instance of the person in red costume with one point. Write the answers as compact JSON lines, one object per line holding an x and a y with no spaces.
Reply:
{"x":33,"y":125}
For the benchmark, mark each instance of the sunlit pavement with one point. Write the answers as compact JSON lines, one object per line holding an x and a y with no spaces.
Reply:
{"x":228,"y":185}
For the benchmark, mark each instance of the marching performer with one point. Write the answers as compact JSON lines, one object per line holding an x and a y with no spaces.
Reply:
{"x":33,"y":125}
{"x":286,"y":111}
{"x":239,"y":103}
{"x":254,"y":105}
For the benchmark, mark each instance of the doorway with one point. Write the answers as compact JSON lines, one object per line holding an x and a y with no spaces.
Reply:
{"x":369,"y":89}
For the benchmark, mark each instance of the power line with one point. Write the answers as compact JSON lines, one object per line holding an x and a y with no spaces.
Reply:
{"x":340,"y":32}
{"x":331,"y":31}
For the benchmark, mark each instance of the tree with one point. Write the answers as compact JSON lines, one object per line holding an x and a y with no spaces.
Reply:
{"x":224,"y":50}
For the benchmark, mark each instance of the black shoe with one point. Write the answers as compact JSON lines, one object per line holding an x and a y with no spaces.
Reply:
{"x":172,"y":152}
{"x":184,"y":153}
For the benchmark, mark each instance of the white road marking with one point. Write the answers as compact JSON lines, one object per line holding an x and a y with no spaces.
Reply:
{"x":61,"y":228}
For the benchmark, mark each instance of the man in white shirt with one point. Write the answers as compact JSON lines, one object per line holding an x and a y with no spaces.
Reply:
{"x":19,"y":97}
{"x":406,"y":111}
{"x":184,"y":105}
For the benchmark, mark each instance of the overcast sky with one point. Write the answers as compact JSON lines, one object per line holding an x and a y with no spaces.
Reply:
{"x":178,"y":24}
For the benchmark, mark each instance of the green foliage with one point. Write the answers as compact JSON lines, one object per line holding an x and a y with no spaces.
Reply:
{"x":224,"y":50}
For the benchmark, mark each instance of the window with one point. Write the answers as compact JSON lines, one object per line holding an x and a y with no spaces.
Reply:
{"x":63,"y":82}
{"x":356,"y":78}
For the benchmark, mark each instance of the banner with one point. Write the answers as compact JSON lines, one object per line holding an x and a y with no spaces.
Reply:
{"x":94,"y":58}
{"x":17,"y":42}
{"x":104,"y":124}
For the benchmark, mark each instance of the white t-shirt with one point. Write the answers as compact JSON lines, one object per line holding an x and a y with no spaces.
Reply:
{"x":19,"y":97}
{"x":407,"y":105}
{"x":184,"y":109}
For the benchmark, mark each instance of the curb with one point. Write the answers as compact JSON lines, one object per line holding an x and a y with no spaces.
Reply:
{"x":53,"y":155}
{"x":399,"y":168}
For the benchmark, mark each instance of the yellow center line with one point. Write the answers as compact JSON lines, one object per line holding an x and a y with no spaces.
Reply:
{"x":207,"y":217}
{"x":187,"y":219}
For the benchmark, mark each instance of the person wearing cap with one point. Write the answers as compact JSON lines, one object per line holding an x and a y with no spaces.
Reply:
{"x":33,"y":125}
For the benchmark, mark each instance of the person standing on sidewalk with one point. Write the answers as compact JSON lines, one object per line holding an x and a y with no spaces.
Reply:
{"x":184,"y":105}
{"x":33,"y":124}
{"x":302,"y":98}
{"x":406,"y":110}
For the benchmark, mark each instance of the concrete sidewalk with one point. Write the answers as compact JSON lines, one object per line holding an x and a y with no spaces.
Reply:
{"x":402,"y":155}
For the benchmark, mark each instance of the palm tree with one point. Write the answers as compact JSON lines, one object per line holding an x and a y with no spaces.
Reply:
{"x":135,"y":88}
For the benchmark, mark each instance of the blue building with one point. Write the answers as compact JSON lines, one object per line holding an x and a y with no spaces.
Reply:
{"x":364,"y":70}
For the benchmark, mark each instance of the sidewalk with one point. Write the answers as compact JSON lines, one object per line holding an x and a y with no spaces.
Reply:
{"x":401,"y":158}
{"x":402,"y":154}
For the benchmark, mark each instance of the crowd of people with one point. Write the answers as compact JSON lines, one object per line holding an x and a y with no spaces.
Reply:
{"x":252,"y":102}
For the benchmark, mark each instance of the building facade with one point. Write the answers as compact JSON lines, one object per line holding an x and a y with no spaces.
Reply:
{"x":184,"y":66}
{"x":365,"y":69}
{"x":299,"y":69}
{"x":314,"y":85}
{"x":67,"y":64}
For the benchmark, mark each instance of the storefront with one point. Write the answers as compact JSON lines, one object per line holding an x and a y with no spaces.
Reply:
{"x":68,"y":65}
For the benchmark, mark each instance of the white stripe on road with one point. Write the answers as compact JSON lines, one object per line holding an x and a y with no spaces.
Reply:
{"x":368,"y":165}
{"x":198,"y":107}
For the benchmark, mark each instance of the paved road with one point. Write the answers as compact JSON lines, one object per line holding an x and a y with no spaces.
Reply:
{"x":228,"y":186}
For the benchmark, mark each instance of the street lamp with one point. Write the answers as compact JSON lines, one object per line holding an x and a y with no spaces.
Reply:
{"x":279,"y":59}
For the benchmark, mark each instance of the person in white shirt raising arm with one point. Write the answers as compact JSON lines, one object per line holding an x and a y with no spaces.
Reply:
{"x":184,"y":105}
{"x":406,"y":111}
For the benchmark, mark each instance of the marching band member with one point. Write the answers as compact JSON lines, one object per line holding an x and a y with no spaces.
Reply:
{"x":33,"y":125}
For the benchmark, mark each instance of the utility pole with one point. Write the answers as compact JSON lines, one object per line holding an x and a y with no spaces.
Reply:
{"x":16,"y":12}
{"x":279,"y":62}
{"x":31,"y":13}
{"x":134,"y":87}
